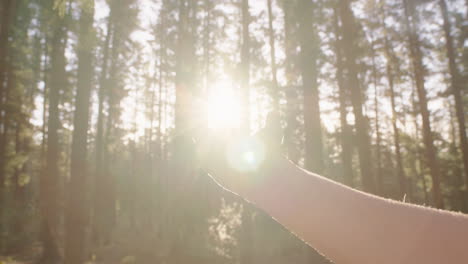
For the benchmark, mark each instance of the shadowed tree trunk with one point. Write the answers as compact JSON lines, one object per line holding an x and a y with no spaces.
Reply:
{"x":346,"y":133}
{"x":290,"y":90}
{"x":271,"y":33}
{"x":245,"y":65}
{"x":349,"y":52}
{"x":457,"y":171}
{"x":7,"y":13}
{"x":389,"y":54}
{"x":456,"y":86}
{"x":76,"y":211}
{"x":418,"y":168}
{"x":378,"y":137}
{"x":411,"y":22}
{"x":108,"y":181}
{"x":308,"y":42}
{"x":49,"y":183}
{"x":99,"y":185}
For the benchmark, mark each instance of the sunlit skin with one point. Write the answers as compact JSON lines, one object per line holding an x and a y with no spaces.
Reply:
{"x":344,"y":224}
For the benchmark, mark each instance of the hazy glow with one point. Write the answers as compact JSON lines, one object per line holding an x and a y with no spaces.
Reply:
{"x":249,"y":157}
{"x":245,"y":154}
{"x":222,"y":107}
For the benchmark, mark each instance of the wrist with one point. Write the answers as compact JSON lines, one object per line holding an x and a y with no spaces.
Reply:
{"x":268,"y":180}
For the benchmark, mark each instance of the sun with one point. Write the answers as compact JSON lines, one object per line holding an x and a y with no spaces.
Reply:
{"x":222,"y":106}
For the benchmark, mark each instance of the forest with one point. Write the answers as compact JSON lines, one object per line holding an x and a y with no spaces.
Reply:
{"x":100,"y":102}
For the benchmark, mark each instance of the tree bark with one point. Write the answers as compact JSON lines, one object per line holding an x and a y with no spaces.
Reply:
{"x":456,"y":86}
{"x":346,"y":133}
{"x":7,"y":9}
{"x":418,"y":167}
{"x":349,"y":51}
{"x":245,"y":65}
{"x":308,"y":42}
{"x":271,"y":33}
{"x":49,"y":182}
{"x":411,"y":22}
{"x":99,"y":178}
{"x":290,"y":90}
{"x":378,"y":137}
{"x":76,"y":211}
{"x":396,"y":132}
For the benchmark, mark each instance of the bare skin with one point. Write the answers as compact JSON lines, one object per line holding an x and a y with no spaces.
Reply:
{"x":346,"y":225}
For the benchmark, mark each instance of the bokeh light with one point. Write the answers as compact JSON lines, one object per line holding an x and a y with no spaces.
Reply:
{"x":245,"y":154}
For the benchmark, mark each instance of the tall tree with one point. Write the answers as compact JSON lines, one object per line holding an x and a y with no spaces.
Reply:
{"x":378,"y":134}
{"x":7,"y":9}
{"x":99,"y":206}
{"x":246,"y":249}
{"x":76,"y":211}
{"x":245,"y":64}
{"x":345,"y":133}
{"x":349,"y":52}
{"x":411,"y":21}
{"x":390,"y":72}
{"x":456,"y":84}
{"x":49,"y":184}
{"x":290,"y":89}
{"x":274,"y":70}
{"x":309,"y":43}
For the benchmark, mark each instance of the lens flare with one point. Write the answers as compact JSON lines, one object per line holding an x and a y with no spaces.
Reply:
{"x":249,"y":157}
{"x":245,"y":154}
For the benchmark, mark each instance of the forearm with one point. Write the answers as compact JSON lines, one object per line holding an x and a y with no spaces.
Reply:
{"x":349,"y":226}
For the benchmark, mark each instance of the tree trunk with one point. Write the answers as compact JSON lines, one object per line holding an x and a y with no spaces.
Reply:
{"x":456,"y":86}
{"x":308,"y":42}
{"x":349,"y":51}
{"x":290,"y":90}
{"x":76,"y":211}
{"x":245,"y":66}
{"x":49,"y":182}
{"x":346,"y":133}
{"x":45,"y":96}
{"x":246,"y":243}
{"x":7,"y":9}
{"x":457,"y":171}
{"x":378,"y":175}
{"x":271,"y":33}
{"x":411,"y":22}
{"x":396,"y":133}
{"x":108,"y":182}
{"x":418,"y":166}
{"x":99,"y":184}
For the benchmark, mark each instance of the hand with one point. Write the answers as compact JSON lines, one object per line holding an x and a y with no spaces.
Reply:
{"x":240,"y":163}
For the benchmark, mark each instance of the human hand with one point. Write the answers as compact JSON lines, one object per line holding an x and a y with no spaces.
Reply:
{"x":240,"y":163}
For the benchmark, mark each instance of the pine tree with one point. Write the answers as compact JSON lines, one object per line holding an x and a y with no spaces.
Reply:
{"x":309,"y":44}
{"x":76,"y":211}
{"x":411,"y":21}
{"x":456,"y":85}
{"x":345,"y":133}
{"x":390,"y":72}
{"x":349,"y":52}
